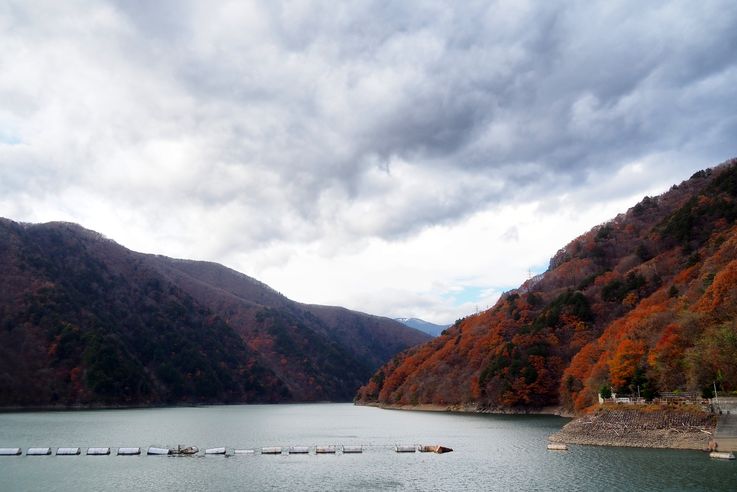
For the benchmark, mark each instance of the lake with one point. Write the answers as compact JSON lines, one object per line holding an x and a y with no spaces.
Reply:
{"x":491,"y":452}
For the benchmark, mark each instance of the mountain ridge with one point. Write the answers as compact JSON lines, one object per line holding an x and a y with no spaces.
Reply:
{"x":85,"y":321}
{"x":644,"y":301}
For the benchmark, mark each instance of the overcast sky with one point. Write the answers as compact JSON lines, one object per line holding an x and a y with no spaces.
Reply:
{"x":400,"y":158}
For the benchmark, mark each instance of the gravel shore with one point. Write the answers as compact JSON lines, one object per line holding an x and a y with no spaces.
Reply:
{"x":648,"y":426}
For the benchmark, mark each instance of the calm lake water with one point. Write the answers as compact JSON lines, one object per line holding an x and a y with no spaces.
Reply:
{"x":491,"y":452}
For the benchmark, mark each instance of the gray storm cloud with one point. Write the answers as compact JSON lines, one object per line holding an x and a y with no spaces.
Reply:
{"x":314,"y":121}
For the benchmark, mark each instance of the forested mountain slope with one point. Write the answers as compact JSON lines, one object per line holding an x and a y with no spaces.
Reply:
{"x":646,"y":300}
{"x":85,"y":321}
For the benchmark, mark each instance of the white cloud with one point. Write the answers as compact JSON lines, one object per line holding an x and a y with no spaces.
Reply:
{"x":378,"y":155}
{"x":423,"y":274}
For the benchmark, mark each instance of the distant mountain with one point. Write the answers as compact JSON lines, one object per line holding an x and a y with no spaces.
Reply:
{"x":424,"y":326}
{"x":644,"y":303}
{"x":85,"y":321}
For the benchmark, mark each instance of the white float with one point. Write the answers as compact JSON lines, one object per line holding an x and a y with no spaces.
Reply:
{"x":129,"y":451}
{"x":67,"y":451}
{"x":38,"y":452}
{"x":158,"y":451}
{"x":10,"y":451}
{"x":215,"y":451}
{"x":98,"y":451}
{"x":325,"y":449}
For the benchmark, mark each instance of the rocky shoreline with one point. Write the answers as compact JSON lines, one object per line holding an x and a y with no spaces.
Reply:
{"x":640,"y":426}
{"x":649,"y":426}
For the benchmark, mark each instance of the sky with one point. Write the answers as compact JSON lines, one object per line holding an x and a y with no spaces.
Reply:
{"x":406,"y":159}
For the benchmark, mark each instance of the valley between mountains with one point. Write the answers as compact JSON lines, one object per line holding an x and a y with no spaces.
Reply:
{"x":646,"y":302}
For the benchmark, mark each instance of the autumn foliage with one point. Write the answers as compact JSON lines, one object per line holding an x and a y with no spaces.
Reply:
{"x":84,"y":321}
{"x":646,"y":302}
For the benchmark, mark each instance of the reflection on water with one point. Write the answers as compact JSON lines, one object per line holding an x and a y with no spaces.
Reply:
{"x":491,"y":452}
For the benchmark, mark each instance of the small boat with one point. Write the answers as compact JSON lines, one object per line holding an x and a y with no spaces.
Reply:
{"x":721,"y":455}
{"x":436,"y":448}
{"x":187,"y":450}
{"x":557,"y":446}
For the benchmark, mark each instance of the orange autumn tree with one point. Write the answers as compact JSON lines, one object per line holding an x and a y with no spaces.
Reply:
{"x":623,"y":365}
{"x":666,"y":358}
